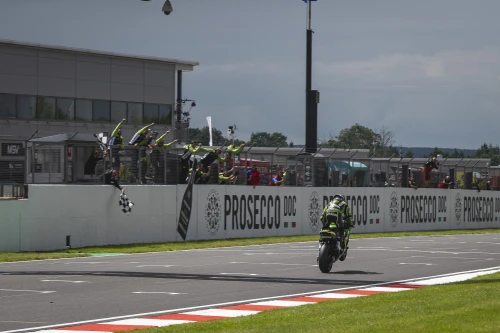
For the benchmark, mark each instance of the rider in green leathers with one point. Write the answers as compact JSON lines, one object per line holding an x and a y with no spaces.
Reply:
{"x":337,"y":211}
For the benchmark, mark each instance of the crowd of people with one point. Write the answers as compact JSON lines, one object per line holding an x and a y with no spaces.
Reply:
{"x":206,"y":170}
{"x":446,"y":183}
{"x":150,"y":140}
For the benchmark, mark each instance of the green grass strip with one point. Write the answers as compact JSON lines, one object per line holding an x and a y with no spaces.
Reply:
{"x":469,"y":306}
{"x":27,"y":256}
{"x":190,"y":245}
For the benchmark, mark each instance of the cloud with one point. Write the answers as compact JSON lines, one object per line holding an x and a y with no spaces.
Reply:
{"x":411,"y":94}
{"x":460,"y":67}
{"x":244,"y":69}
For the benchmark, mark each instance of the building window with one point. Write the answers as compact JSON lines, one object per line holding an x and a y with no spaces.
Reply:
{"x":118,"y":111}
{"x":65,"y":109}
{"x":134,"y":113}
{"x":7,"y":106}
{"x":26,"y":107}
{"x":47,"y":160}
{"x":102,"y":111}
{"x":83,"y":110}
{"x":46,"y":108}
{"x":150,"y":114}
{"x":165,"y":114}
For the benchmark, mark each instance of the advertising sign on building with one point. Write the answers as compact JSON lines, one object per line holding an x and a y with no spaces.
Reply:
{"x":12,"y":149}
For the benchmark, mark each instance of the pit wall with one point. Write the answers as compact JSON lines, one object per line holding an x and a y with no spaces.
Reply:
{"x":91,"y":215}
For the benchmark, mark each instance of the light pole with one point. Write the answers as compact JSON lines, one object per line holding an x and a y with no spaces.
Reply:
{"x":312,"y":96}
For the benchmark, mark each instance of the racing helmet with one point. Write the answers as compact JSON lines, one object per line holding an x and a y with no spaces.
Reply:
{"x":339,"y":196}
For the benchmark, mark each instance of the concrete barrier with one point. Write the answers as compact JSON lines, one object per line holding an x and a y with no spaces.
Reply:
{"x":90,"y":215}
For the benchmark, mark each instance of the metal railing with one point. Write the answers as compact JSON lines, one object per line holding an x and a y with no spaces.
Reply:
{"x":87,"y":163}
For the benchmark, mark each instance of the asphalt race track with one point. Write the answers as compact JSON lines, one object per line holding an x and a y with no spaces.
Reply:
{"x":53,"y":292}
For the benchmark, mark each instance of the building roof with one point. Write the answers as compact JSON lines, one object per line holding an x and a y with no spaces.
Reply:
{"x":66,"y":138}
{"x":188,"y":64}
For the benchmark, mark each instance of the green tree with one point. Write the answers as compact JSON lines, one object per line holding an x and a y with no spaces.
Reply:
{"x":488,"y":151}
{"x":385,"y":140}
{"x":457,"y":153}
{"x":354,"y":137}
{"x":390,"y":151}
{"x":437,"y":151}
{"x":409,"y":154}
{"x":264,"y":139}
{"x":203,"y":136}
{"x":290,"y":144}
{"x":360,"y":137}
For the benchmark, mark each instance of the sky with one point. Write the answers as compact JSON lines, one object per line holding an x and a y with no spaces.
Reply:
{"x":427,"y":70}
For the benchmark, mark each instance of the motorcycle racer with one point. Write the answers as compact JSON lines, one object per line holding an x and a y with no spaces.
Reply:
{"x":337,"y":211}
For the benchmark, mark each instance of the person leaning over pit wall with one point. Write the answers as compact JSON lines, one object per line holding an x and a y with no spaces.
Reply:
{"x":111,"y":178}
{"x":428,"y":167}
{"x":116,"y":144}
{"x":136,"y":140}
{"x":230,"y":151}
{"x":160,"y":142}
{"x":185,"y":159}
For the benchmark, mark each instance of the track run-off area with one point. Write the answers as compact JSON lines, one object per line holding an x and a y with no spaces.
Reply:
{"x":123,"y":292}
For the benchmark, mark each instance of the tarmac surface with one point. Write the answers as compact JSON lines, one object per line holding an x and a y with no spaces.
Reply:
{"x":39,"y":294}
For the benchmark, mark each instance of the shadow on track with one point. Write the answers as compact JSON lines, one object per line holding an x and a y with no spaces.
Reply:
{"x":356,"y":273}
{"x":210,"y":277}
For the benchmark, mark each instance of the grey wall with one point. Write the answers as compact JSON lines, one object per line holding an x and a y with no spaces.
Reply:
{"x":52,"y":212}
{"x":33,"y":71}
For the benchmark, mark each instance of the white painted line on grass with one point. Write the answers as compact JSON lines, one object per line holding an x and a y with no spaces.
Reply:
{"x":415,"y":263}
{"x":457,"y":278}
{"x":251,"y":274}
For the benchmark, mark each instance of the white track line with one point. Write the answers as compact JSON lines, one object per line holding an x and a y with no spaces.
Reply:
{"x":320,"y":294}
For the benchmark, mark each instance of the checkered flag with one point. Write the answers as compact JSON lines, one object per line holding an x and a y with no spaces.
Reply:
{"x":125,"y":203}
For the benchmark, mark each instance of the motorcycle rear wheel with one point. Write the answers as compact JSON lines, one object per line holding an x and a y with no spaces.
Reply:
{"x":325,"y":261}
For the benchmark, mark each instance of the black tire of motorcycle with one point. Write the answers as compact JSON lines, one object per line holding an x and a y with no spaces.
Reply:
{"x":325,"y":261}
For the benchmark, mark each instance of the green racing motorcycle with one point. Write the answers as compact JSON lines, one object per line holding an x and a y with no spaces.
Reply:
{"x":330,"y":249}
